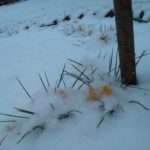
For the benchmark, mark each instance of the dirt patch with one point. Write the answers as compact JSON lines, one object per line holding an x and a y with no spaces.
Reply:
{"x":6,"y":2}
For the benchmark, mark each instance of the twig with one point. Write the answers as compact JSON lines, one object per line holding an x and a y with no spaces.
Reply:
{"x":24,"y":88}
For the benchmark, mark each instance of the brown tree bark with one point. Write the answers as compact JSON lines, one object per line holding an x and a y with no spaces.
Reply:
{"x":125,"y":37}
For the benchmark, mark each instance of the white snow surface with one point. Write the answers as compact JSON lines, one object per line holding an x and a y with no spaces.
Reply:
{"x":27,"y":50}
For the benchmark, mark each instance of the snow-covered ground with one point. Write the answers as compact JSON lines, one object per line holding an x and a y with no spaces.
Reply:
{"x":30,"y":45}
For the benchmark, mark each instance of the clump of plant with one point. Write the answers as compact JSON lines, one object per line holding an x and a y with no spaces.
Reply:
{"x":103,"y":92}
{"x":66,"y":18}
{"x":85,"y":80}
{"x":53,"y":23}
{"x":81,"y":16}
{"x":105,"y":32}
{"x":110,"y":13}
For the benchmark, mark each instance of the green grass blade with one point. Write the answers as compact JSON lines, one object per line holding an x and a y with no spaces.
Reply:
{"x":102,"y":119}
{"x":52,"y":106}
{"x":99,"y":55}
{"x":75,"y":62}
{"x":48,"y":83}
{"x":16,"y":116}
{"x":144,"y":53}
{"x":3,"y":139}
{"x":29,"y":132}
{"x":93,"y":72}
{"x":140,"y":104}
{"x":43,"y":83}
{"x":55,"y":89}
{"x":81,"y":86}
{"x":64,"y":83}
{"x":61,"y":76}
{"x":25,"y":111}
{"x":77,"y":79}
{"x":5,"y":121}
{"x":24,"y":136}
{"x":74,"y":110}
{"x":110,"y":63}
{"x":116,"y":65}
{"x":82,"y":73}
{"x":24,"y":89}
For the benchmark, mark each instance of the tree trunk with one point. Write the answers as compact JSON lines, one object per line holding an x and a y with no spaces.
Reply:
{"x":125,"y":37}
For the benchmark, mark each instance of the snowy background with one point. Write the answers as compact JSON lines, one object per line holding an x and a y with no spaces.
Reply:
{"x":30,"y":45}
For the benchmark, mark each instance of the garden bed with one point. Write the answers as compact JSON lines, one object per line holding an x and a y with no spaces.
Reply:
{"x":6,"y":2}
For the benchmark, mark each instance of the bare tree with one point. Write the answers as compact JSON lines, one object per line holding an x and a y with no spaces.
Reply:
{"x":125,"y":37}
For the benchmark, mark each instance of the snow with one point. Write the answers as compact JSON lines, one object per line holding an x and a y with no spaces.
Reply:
{"x":66,"y":118}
